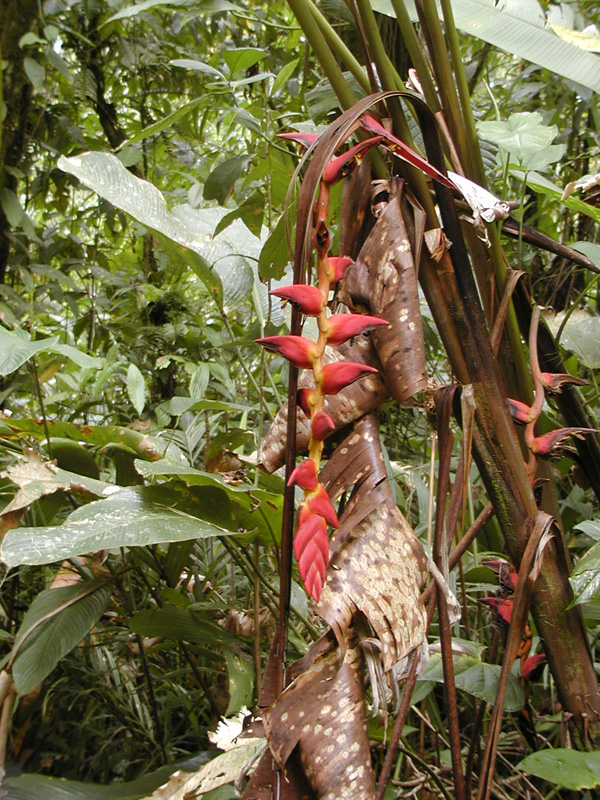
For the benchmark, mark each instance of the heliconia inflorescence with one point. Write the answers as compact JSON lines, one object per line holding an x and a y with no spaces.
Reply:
{"x":316,"y":512}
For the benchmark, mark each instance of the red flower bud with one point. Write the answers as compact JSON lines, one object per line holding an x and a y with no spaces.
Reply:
{"x":311,"y":548}
{"x":502,"y":607}
{"x":507,"y":576}
{"x":549,"y":444}
{"x":520,"y":412}
{"x":321,"y":425}
{"x":404,"y":151}
{"x":554,"y":381}
{"x":532,"y":667}
{"x":305,"y":139}
{"x":304,"y":398}
{"x":308,"y":299}
{"x":339,"y":374}
{"x":297,"y":349}
{"x":305,"y":475}
{"x":319,"y":503}
{"x":342,"y":327}
{"x":341,"y":166}
{"x":336,"y":268}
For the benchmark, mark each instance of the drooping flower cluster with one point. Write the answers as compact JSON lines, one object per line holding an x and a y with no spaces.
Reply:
{"x":316,"y":511}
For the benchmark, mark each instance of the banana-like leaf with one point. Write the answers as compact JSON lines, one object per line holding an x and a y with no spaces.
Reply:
{"x":16,"y":348}
{"x":524,"y":35}
{"x":57,"y":620}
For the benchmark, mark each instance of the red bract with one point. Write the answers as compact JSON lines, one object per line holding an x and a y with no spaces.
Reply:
{"x":505,"y":571}
{"x":305,"y":475}
{"x":336,"y":376}
{"x":308,"y":299}
{"x":532,"y":667}
{"x":336,"y":268}
{"x":549,"y":444}
{"x":319,"y":503}
{"x":342,"y":327}
{"x":503,"y":608}
{"x":554,"y":381}
{"x":297,"y":349}
{"x":404,"y":151}
{"x":304,"y":399}
{"x":520,"y":412}
{"x":343,"y":165}
{"x":311,"y":548}
{"x":321,"y":425}
{"x":305,"y":139}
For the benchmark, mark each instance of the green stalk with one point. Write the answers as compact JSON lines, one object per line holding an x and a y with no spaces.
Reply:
{"x":338,"y":47}
{"x":333,"y":73}
{"x":413,"y":46}
{"x":468,"y":120}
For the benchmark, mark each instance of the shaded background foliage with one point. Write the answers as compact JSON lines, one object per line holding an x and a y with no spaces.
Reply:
{"x":173,"y":395}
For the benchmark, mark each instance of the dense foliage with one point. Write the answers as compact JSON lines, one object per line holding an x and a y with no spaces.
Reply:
{"x":143,"y":200}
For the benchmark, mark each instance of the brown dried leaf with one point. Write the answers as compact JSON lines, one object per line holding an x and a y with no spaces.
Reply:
{"x":383,"y":281}
{"x":323,"y":713}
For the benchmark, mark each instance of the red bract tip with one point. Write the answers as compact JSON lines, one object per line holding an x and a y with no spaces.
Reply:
{"x":305,"y":139}
{"x":321,"y":425}
{"x":342,"y":165}
{"x":532,"y":667}
{"x":549,"y":444}
{"x":336,"y":268}
{"x":308,"y":299}
{"x":404,"y":151}
{"x":344,"y":326}
{"x":505,"y":571}
{"x":305,"y":475}
{"x":304,"y":399}
{"x":519,"y":411}
{"x":297,"y":349}
{"x":319,"y":503}
{"x":503,"y":608}
{"x":311,"y":548}
{"x":554,"y":381}
{"x":339,"y":374}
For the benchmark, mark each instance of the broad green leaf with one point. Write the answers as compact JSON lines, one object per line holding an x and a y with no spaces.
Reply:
{"x":541,"y":184}
{"x":104,"y":174}
{"x":481,"y":680}
{"x":77,"y":356}
{"x":198,"y":66}
{"x":221,"y":180}
{"x":591,"y":528}
{"x":522,"y":133}
{"x":16,"y":348}
{"x":240,"y":671}
{"x":251,"y":212}
{"x":30,"y":38}
{"x":589,"y":249}
{"x":133,"y":10}
{"x":581,"y":335}
{"x":284,"y":75}
{"x":199,"y":381}
{"x":165,"y":122}
{"x":582,"y":39}
{"x":73,"y":610}
{"x":35,"y":72}
{"x":242,"y":58}
{"x":136,"y":388}
{"x":585,"y":578}
{"x":572,"y":769}
{"x":11,"y":205}
{"x":503,"y":26}
{"x":173,"y":622}
{"x":128,"y":518}
{"x":274,"y":256}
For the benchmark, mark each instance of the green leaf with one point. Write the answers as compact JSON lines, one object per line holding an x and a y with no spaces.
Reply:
{"x":199,"y":381}
{"x":274,"y":256}
{"x":104,"y":174}
{"x":198,"y":66}
{"x":77,"y":356}
{"x":589,"y":249}
{"x":11,"y":205}
{"x":541,"y":184}
{"x":136,"y":388}
{"x":35,"y":72}
{"x":30,"y":38}
{"x":165,"y":122}
{"x":16,"y":348}
{"x":240,"y":670}
{"x":130,"y":517}
{"x":585,"y":578}
{"x":73,"y":611}
{"x":571,"y":769}
{"x":284,"y":75}
{"x":132,"y":11}
{"x":521,"y":134}
{"x":221,"y":180}
{"x":581,"y":334}
{"x":173,"y":622}
{"x":242,"y":58}
{"x":251,"y":213}
{"x":591,"y":528}
{"x":481,"y":680}
{"x":503,"y":26}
